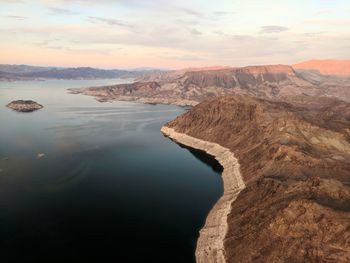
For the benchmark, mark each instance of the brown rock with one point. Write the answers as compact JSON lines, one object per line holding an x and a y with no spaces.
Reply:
{"x":295,"y":160}
{"x":24,"y":105}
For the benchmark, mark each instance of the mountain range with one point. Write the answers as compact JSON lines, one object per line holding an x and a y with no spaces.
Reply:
{"x":25,"y":72}
{"x":191,"y":87}
{"x":316,"y":69}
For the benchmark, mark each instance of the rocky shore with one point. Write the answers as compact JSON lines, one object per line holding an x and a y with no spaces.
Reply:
{"x":294,"y":159}
{"x":210,"y":245}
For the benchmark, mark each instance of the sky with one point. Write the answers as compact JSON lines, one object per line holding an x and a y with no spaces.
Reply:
{"x":172,"y":34}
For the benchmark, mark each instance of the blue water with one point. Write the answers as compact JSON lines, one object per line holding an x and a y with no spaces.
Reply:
{"x":108,"y":184}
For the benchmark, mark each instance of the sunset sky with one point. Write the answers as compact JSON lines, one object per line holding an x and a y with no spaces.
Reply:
{"x":172,"y":34}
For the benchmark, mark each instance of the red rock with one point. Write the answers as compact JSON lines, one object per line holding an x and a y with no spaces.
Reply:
{"x":326,"y":67}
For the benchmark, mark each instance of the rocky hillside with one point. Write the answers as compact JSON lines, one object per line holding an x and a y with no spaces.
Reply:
{"x":191,"y":87}
{"x":267,"y":81}
{"x":295,"y":161}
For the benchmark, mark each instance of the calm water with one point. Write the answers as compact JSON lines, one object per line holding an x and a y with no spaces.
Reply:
{"x":109,"y":185}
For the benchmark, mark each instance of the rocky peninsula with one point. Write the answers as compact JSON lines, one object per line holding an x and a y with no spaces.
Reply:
{"x":24,"y":105}
{"x":292,"y":204}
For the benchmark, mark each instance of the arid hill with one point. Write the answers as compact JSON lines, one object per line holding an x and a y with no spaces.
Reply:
{"x":326,"y":67}
{"x":189,"y":88}
{"x":294,"y":157}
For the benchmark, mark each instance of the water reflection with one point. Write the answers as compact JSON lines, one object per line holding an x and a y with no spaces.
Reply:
{"x":109,"y":187}
{"x":204,"y":157}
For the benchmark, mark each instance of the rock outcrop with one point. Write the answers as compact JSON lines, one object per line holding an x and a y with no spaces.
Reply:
{"x":24,"y":105}
{"x":294,"y":158}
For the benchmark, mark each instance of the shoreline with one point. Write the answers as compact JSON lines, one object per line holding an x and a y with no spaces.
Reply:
{"x":138,"y":99}
{"x":210,"y":244}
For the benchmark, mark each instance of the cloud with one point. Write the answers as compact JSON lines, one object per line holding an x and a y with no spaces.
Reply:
{"x":127,"y":3}
{"x":15,"y":17}
{"x":109,"y":21}
{"x":273,"y":29}
{"x":329,"y":22}
{"x":173,"y":29}
{"x":50,"y":44}
{"x":223,"y":13}
{"x":240,"y":37}
{"x":181,"y":57}
{"x":314,"y":34}
{"x":11,"y":1}
{"x":324,"y":12}
{"x":195,"y":32}
{"x":61,"y":11}
{"x":191,"y":12}
{"x":216,"y":15}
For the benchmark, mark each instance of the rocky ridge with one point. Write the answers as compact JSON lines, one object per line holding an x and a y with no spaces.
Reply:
{"x":295,"y":160}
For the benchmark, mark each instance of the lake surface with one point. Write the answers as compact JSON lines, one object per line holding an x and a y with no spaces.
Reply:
{"x":90,"y":181}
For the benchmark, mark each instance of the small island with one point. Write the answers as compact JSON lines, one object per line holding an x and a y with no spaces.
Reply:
{"x":24,"y":105}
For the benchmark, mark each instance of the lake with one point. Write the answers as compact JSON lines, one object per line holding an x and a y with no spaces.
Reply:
{"x":90,"y":181}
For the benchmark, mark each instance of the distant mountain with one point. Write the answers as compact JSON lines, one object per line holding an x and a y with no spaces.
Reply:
{"x":79,"y":73}
{"x":22,"y":69}
{"x":166,"y":75}
{"x":326,"y":67}
{"x":8,"y":76}
{"x":190,"y":88}
{"x":24,"y":72}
